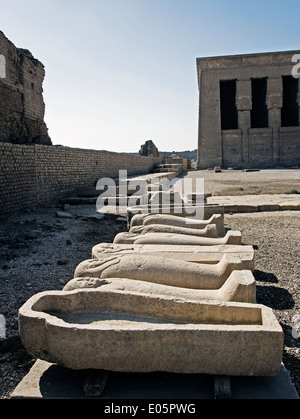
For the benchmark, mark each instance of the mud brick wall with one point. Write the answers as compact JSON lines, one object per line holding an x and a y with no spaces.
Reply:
{"x":17,"y":177}
{"x":37,"y":175}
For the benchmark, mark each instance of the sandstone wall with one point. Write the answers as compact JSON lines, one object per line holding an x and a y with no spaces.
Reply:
{"x":270,"y":143}
{"x":22,"y":105}
{"x":37,"y":175}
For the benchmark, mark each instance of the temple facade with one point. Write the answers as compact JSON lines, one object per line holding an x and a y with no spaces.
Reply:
{"x":249,"y":110}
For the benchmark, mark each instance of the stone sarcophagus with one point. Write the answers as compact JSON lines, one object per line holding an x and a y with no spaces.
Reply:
{"x":119,"y":330}
{"x":160,"y":270}
{"x":196,"y":254}
{"x":240,"y":287}
{"x":176,"y":221}
{"x":231,"y":237}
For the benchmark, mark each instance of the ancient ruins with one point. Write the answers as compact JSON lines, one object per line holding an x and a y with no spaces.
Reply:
{"x":248,"y":111}
{"x":181,"y":303}
{"x":174,"y":293}
{"x":22,"y":107}
{"x":35,"y":172}
{"x":149,"y":149}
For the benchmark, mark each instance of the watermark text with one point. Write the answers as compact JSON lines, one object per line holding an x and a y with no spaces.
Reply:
{"x":2,"y":327}
{"x":2,"y":67}
{"x":164,"y":196}
{"x":296,"y":67}
{"x":296,"y":326}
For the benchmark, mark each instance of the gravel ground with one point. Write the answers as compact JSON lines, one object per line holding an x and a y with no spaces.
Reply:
{"x":237,"y":182}
{"x":39,"y":252}
{"x":275,"y":236}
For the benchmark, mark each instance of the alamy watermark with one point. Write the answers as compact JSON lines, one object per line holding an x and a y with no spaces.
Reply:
{"x":2,"y":327}
{"x":296,"y":326}
{"x":2,"y":67}
{"x":161,"y":196}
{"x":296,"y":67}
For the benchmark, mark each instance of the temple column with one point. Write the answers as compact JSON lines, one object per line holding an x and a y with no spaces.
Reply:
{"x":244,"y":106}
{"x":298,"y":100}
{"x":274,"y":104}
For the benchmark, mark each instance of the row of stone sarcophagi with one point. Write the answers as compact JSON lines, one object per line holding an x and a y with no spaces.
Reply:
{"x":164,"y":296}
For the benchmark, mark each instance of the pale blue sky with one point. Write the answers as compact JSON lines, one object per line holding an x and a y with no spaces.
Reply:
{"x":120,"y":72}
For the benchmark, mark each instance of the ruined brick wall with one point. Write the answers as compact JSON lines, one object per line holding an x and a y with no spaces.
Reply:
{"x":22,"y":106}
{"x":37,"y":175}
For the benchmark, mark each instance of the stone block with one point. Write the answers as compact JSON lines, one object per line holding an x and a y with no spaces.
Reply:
{"x":289,"y":206}
{"x":49,"y":381}
{"x":269,"y":207}
{"x":230,"y":208}
{"x":63,"y":214}
{"x":247,"y":208}
{"x":240,"y":208}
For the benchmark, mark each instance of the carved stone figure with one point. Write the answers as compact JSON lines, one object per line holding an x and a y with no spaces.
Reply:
{"x":196,"y":254}
{"x":209,"y":231}
{"x":176,"y":221}
{"x":160,"y":270}
{"x":240,"y":287}
{"x":231,"y":237}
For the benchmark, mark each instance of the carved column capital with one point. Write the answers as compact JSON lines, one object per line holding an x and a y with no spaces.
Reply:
{"x":274,"y":100}
{"x":244,"y":95}
{"x":274,"y":95}
{"x":244,"y":103}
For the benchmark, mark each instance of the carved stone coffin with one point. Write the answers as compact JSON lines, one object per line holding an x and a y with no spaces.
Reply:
{"x":134,"y":332}
{"x":197,"y":254}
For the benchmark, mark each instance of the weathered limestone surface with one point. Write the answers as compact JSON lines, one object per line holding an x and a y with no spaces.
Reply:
{"x":240,"y":287}
{"x":114,"y":330}
{"x":231,"y":237}
{"x":189,"y":212}
{"x":160,"y":270}
{"x":208,"y":231}
{"x":22,"y":107}
{"x":197,"y":254}
{"x":165,"y":219}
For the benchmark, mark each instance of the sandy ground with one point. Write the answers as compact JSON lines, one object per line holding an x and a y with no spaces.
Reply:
{"x":237,"y":182}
